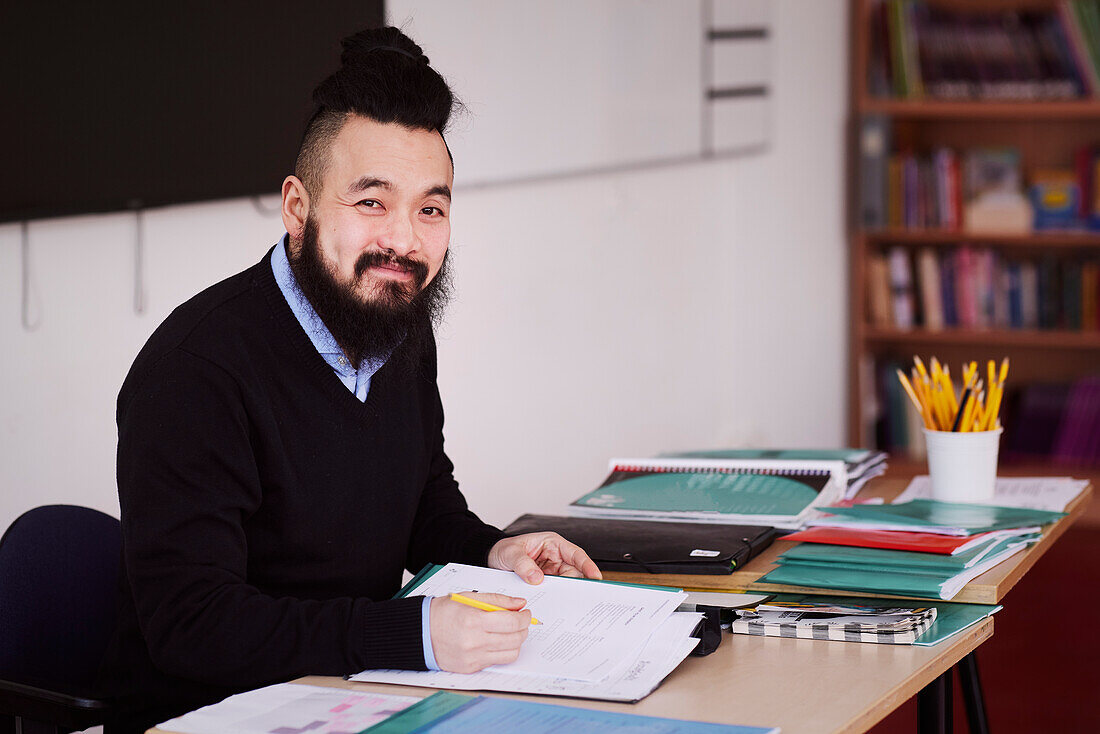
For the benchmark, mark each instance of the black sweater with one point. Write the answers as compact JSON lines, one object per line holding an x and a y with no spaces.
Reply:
{"x":267,"y":514}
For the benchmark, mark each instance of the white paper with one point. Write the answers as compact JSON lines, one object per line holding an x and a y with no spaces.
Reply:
{"x":724,"y":599}
{"x":634,"y":678}
{"x":587,"y":628}
{"x":1033,"y":493}
{"x":288,"y":707}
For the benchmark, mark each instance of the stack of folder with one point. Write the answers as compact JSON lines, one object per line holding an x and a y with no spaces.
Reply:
{"x":922,"y":548}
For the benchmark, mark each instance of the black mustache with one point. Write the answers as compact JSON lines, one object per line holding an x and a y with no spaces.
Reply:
{"x":372,"y":259}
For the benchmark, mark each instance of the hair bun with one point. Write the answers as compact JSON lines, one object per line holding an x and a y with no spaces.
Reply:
{"x":358,"y":46}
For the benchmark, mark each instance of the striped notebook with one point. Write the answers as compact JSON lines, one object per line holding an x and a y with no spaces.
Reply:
{"x":892,"y":626}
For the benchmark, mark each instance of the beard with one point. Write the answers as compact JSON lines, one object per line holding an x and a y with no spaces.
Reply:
{"x":371,"y":327}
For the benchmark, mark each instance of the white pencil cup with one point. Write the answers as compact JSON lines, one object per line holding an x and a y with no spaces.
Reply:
{"x":963,"y":466}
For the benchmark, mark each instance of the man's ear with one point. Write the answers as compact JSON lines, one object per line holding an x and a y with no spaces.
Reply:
{"x":295,"y":206}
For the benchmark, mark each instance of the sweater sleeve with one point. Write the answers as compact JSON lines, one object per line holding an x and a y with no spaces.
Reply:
{"x":188,"y":481}
{"x":444,"y":530}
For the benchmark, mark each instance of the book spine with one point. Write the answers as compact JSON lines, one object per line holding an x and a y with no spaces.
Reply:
{"x":901,"y":287}
{"x":928,"y":274}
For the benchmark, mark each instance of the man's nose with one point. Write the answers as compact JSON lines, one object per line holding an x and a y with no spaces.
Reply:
{"x":399,"y":236}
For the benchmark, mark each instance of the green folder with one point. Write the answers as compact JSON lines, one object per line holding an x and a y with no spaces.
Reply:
{"x":879,"y":581}
{"x":708,"y":492}
{"x":931,"y":513}
{"x":819,"y":553}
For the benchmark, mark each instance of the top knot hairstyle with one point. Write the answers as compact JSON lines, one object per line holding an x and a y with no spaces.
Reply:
{"x":383,"y":76}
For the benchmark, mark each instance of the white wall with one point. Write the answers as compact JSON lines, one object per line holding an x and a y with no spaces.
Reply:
{"x":697,"y":305}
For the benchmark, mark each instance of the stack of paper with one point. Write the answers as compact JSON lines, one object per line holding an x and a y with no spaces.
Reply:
{"x":1035,"y":493}
{"x":939,"y":571}
{"x":596,"y":640}
{"x":783,"y":494}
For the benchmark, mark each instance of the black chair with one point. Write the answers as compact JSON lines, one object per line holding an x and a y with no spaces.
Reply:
{"x":59,"y":569}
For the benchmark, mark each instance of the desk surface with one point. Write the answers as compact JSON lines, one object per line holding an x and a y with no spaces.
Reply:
{"x":989,"y":588}
{"x":798,"y":685}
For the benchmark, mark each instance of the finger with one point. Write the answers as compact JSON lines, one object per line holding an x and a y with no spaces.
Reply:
{"x":505,"y":641}
{"x":580,"y":561}
{"x":573,"y":555}
{"x":507,"y":622}
{"x":524,"y":566}
{"x":500,"y":600}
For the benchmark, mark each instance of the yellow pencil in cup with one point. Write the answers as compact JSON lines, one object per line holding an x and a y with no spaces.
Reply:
{"x":483,"y":605}
{"x":962,"y":454}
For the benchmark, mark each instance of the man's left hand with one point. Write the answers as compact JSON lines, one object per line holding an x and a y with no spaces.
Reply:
{"x":535,"y":554}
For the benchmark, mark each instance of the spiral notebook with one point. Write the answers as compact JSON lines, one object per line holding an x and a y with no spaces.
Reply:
{"x":731,"y":491}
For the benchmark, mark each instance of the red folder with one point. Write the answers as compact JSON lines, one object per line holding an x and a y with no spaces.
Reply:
{"x":893,"y":539}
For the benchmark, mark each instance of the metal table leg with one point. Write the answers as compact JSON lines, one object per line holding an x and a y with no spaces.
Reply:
{"x":972,"y":694}
{"x":934,"y":706}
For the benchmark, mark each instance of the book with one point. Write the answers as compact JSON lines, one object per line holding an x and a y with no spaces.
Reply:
{"x":951,"y":618}
{"x":655,"y":547}
{"x":933,"y":516}
{"x":874,"y":149}
{"x":829,"y":621}
{"x":783,"y":494}
{"x":878,"y":290}
{"x":901,"y":287}
{"x":931,"y":301}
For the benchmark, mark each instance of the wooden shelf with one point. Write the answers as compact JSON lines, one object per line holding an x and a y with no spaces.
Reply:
{"x":947,"y":238}
{"x":1022,"y":338}
{"x":982,"y":110}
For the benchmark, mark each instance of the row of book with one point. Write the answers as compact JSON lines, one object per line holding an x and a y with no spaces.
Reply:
{"x":1057,"y":423}
{"x":978,"y":190}
{"x":981,"y":288}
{"x":919,"y":50}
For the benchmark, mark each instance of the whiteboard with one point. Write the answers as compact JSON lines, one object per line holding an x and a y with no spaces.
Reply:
{"x":562,"y":87}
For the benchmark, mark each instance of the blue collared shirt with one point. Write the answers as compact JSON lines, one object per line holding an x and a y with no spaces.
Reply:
{"x":356,"y":380}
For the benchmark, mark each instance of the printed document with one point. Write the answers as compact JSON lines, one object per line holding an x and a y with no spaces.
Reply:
{"x":1032,"y":493}
{"x":587,"y":629}
{"x":635,"y":678}
{"x":290,"y":707}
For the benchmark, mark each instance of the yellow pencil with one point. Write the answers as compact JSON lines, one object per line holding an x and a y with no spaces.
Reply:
{"x":916,"y":401}
{"x":1004,"y":371}
{"x":952,"y":401}
{"x":483,"y":606}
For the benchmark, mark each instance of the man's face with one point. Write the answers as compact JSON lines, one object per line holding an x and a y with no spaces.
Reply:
{"x":383,"y":212}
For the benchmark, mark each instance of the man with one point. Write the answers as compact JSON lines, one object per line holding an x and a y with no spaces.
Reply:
{"x":280,"y":456}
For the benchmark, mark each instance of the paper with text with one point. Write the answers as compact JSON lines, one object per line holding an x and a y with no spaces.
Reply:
{"x":1033,"y":493}
{"x":634,"y":678}
{"x":586,"y":627}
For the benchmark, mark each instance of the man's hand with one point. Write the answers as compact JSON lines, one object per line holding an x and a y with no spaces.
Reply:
{"x":535,"y":554}
{"x":465,"y":640}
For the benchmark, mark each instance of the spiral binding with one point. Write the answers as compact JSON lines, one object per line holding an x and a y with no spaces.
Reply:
{"x":786,"y":471}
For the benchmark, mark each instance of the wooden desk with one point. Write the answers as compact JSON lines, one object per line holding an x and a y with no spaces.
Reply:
{"x":989,"y":588}
{"x":805,"y":685}
{"x":798,"y":685}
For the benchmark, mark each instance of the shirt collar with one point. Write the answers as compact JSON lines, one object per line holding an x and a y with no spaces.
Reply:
{"x":315,"y":328}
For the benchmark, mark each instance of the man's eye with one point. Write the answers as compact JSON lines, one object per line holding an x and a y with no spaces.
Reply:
{"x":431,"y":210}
{"x":371,"y":203}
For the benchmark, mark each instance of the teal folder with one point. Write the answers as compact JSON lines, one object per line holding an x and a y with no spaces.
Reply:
{"x":453,"y":713}
{"x":707,"y":492}
{"x":879,"y":581}
{"x":969,"y":519}
{"x":901,"y":561}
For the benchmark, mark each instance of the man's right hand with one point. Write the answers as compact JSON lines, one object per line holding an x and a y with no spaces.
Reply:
{"x":465,"y":640}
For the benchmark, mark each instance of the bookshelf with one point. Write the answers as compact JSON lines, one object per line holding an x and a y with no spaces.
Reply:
{"x":1047,"y":134}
